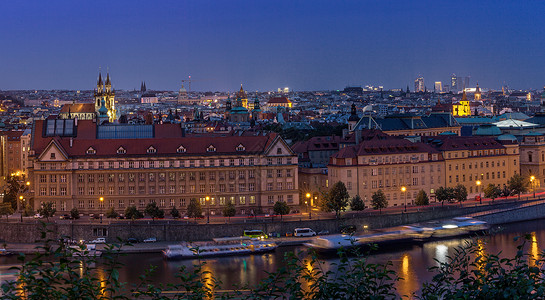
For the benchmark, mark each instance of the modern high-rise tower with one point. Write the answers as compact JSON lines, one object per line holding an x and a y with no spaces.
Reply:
{"x":419,"y":84}
{"x":438,"y":87}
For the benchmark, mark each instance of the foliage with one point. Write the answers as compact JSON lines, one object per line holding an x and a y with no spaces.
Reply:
{"x":6,"y":209}
{"x":15,"y":186}
{"x":194,"y":209}
{"x":422,"y":198}
{"x":111,"y":213}
{"x":444,"y":194}
{"x":357,"y":203}
{"x":505,"y":191}
{"x":492,"y":191}
{"x":229,"y":210}
{"x":133,"y":213}
{"x":378,"y":200}
{"x":154,"y":211}
{"x":336,"y":199}
{"x":47,"y":210}
{"x":460,"y":193}
{"x":74,"y":213}
{"x":518,"y":184}
{"x":281,"y":208}
{"x":174,"y":213}
{"x":28,"y":211}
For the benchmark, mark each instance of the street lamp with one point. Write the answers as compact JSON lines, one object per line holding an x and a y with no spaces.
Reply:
{"x":478,"y":188}
{"x":208,"y":214}
{"x":404,"y":190}
{"x":101,"y":205}
{"x":308,"y":203}
{"x":22,"y":207}
{"x":532,"y":178}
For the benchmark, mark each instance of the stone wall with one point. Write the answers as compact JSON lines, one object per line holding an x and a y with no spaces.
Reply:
{"x":187,"y":231}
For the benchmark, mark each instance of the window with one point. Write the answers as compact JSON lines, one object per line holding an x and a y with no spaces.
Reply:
{"x":278,"y":150}
{"x":241,"y":147}
{"x":211,"y":148}
{"x":242,"y":187}
{"x":63,"y":191}
{"x":278,"y":173}
{"x":81,"y":191}
{"x":121,"y":190}
{"x":43,"y":178}
{"x":212,"y":175}
{"x":151,"y":149}
{"x":242,"y":199}
{"x":91,"y":191}
{"x":162,"y":189}
{"x":81,"y":178}
{"x":222,"y":200}
{"x":162,"y":176}
{"x":252,"y":200}
{"x":151,"y":176}
{"x":63,"y":178}
{"x":181,"y":149}
{"x":121,"y":204}
{"x":172,"y":189}
{"x":270,"y":199}
{"x":182,"y":189}
{"x":269,"y":174}
{"x":269,"y":186}
{"x":131,"y":190}
{"x":121,"y":150}
{"x":111,"y":177}
{"x":91,"y":178}
{"x":251,"y":174}
{"x":202,"y":176}
{"x":100,"y":177}
{"x":90,"y":150}
{"x":241,"y":174}
{"x":43,"y":191}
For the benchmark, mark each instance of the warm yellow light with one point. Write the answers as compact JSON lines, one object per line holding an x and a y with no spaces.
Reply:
{"x":403,"y":189}
{"x":21,"y":197}
{"x":305,"y":202}
{"x":207,"y":198}
{"x":478,"y":182}
{"x":532,"y":178}
{"x":101,"y":199}
{"x":28,"y":183}
{"x":308,"y":195}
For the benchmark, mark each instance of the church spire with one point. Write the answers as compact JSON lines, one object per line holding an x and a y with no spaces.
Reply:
{"x":100,"y":85}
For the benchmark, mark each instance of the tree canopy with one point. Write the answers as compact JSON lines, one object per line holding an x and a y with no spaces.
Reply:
{"x":518,"y":184}
{"x":174,"y":213}
{"x":357,"y":203}
{"x":281,"y":208}
{"x":460,"y":193}
{"x":336,"y":199}
{"x":492,"y":191}
{"x":47,"y":210}
{"x":154,"y":211}
{"x":194,"y":209}
{"x":422,"y":198}
{"x":133,"y":213}
{"x":444,"y":194}
{"x":378,"y":200}
{"x":6,"y":209}
{"x":111,"y":213}
{"x":229,"y":210}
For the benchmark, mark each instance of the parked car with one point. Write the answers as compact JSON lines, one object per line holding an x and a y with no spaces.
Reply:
{"x":132,"y":240}
{"x":66,"y":217}
{"x":150,"y":240}
{"x":98,"y":241}
{"x":348,"y":229}
{"x":38,"y":216}
{"x":304,"y":232}
{"x":274,"y":234}
{"x":323,"y":232}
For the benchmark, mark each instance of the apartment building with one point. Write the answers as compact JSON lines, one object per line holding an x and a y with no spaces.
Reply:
{"x":76,"y":163}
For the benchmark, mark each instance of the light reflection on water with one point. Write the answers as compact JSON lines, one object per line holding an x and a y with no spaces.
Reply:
{"x":410,"y":262}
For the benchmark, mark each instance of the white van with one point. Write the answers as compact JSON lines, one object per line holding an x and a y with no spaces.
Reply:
{"x":304,"y":232}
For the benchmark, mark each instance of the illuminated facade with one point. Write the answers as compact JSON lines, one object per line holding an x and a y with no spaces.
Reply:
{"x":462,"y":109}
{"x":105,"y":92}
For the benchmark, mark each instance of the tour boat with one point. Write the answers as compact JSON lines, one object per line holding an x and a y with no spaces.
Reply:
{"x":220,"y":247}
{"x":405,"y":234}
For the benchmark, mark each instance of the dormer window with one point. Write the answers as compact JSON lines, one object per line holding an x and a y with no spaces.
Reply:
{"x":241,"y":147}
{"x":211,"y":148}
{"x":181,"y":149}
{"x":151,"y":149}
{"x":91,"y":150}
{"x":121,"y":150}
{"x":278,"y":150}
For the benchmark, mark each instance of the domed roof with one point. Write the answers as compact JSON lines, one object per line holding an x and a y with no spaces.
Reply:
{"x":507,"y":137}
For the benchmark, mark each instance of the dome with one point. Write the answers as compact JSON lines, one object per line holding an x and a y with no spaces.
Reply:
{"x":507,"y":137}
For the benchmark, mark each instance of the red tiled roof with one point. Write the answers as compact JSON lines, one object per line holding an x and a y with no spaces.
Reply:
{"x":279,"y":100}
{"x":454,"y":143}
{"x":79,"y":108}
{"x":384,"y":146}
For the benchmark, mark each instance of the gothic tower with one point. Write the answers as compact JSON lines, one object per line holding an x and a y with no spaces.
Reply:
{"x":104,"y":92}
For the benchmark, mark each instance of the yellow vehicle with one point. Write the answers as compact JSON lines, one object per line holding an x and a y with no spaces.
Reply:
{"x":256,"y":234}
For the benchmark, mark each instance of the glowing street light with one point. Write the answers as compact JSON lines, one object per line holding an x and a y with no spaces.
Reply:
{"x":307,"y":204}
{"x":532,"y":178}
{"x":478,"y":183}
{"x":101,"y":205}
{"x":22,"y":207}
{"x":208,"y":205}
{"x":404,"y":191}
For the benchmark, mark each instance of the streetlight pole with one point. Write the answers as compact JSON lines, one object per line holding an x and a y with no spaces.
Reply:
{"x":308,"y":203}
{"x":22,"y":207}
{"x":532,"y":178}
{"x":208,"y":206}
{"x":404,"y":191}
{"x":478,"y":183}
{"x":101,"y":205}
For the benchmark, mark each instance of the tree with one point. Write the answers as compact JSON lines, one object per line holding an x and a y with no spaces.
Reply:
{"x":154,"y":211}
{"x":505,"y":191}
{"x":194,"y":209}
{"x":422,"y":198}
{"x":492,"y":191}
{"x":460,"y":193}
{"x":111,"y":213}
{"x":74,"y":213}
{"x":47,"y":210}
{"x":444,"y":194}
{"x":378,"y":200}
{"x":133,"y":213}
{"x":518,"y":184}
{"x":281,"y":208}
{"x":229,"y":210}
{"x":6,"y":209}
{"x":28,"y":211}
{"x":357,"y":203}
{"x":336,"y":199}
{"x":15,"y":186}
{"x":174,"y":213}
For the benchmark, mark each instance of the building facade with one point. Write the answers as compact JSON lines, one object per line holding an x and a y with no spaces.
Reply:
{"x":133,"y":165}
{"x":532,"y":157}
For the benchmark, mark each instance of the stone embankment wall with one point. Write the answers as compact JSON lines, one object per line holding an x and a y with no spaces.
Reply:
{"x":187,"y":231}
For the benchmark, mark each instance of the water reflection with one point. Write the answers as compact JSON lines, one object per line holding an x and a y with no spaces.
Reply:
{"x":409,"y":283}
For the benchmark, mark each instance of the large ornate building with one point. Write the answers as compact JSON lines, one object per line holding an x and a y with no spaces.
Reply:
{"x":75,"y":163}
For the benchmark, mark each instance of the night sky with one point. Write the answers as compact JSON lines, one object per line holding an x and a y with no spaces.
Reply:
{"x":305,"y":45}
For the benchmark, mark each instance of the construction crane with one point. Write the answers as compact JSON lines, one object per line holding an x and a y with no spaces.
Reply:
{"x":188,"y":80}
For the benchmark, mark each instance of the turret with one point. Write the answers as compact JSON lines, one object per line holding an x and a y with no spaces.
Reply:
{"x":108,"y":83}
{"x":100,"y":86}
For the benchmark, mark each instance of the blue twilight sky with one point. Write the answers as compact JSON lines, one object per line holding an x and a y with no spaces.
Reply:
{"x":305,"y":45}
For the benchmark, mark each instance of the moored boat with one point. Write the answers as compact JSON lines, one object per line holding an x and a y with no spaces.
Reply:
{"x":220,"y":247}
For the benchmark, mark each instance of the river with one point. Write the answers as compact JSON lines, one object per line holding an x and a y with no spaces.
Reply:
{"x":411,"y":262}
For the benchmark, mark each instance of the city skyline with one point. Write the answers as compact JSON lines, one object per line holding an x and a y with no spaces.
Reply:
{"x":265,"y":46}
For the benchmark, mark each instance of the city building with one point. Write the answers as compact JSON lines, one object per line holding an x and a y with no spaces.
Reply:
{"x":532,"y":157}
{"x":388,"y":164}
{"x":462,"y":108}
{"x":105,"y":94}
{"x":149,"y":98}
{"x":419,"y":85}
{"x":279,"y":101}
{"x":438,"y":87}
{"x":411,"y":125}
{"x":477,"y":96}
{"x":12,"y":154}
{"x":133,"y":165}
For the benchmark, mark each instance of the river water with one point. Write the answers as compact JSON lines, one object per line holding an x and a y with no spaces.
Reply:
{"x":410,"y":262}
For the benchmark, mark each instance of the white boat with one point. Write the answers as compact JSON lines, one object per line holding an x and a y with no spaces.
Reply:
{"x":404,"y":234}
{"x":89,"y":250}
{"x":220,"y":247}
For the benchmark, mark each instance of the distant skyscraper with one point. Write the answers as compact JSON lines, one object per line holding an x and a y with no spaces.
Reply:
{"x":438,"y":87}
{"x":454,"y":83}
{"x":419,"y":84}
{"x":446,"y":88}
